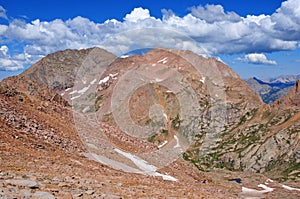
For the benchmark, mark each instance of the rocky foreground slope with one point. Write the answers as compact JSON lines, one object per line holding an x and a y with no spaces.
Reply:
{"x":229,"y":133}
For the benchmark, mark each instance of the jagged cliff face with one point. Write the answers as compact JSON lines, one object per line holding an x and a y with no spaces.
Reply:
{"x":291,"y":100}
{"x":58,"y":70}
{"x":265,"y":140}
{"x":225,"y":124}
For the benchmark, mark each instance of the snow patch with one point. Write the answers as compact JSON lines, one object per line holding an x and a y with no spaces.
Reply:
{"x":177,"y":142}
{"x":140,"y":163}
{"x":62,"y":94}
{"x":164,"y":60}
{"x":113,"y":76}
{"x":202,"y":80}
{"x":165,"y":116}
{"x":92,"y":146}
{"x":290,"y":188}
{"x":86,"y":109}
{"x":266,"y":188}
{"x":268,"y":180}
{"x":158,"y":80}
{"x":84,"y":89}
{"x":165,"y":177}
{"x":68,"y":89}
{"x":145,"y":167}
{"x":93,"y":82}
{"x":254,"y":191}
{"x":75,"y":97}
{"x":204,"y":56}
{"x":124,"y":56}
{"x":112,"y":163}
{"x":220,"y":60}
{"x":153,"y":65}
{"x":163,"y":144}
{"x":104,"y":80}
{"x":73,"y":92}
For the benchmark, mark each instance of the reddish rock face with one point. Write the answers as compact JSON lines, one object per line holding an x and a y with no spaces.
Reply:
{"x":291,"y":100}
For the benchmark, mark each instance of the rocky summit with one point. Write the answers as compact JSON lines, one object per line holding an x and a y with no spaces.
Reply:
{"x":170,"y":123}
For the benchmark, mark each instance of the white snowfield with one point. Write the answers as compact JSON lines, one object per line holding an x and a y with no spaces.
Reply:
{"x":109,"y":162}
{"x":75,"y":97}
{"x":158,"y":80}
{"x":266,"y":188}
{"x":73,"y":92}
{"x":93,"y":82}
{"x":177,"y":142}
{"x":202,"y":80}
{"x":290,"y":188}
{"x":165,"y":116}
{"x":104,"y":80}
{"x":86,"y":109}
{"x":163,"y":144}
{"x":268,"y":180}
{"x":124,"y":56}
{"x":144,"y":166}
{"x":113,"y":75}
{"x":253,"y":193}
{"x":107,"y":78}
{"x":82,"y":91}
{"x":164,"y":60}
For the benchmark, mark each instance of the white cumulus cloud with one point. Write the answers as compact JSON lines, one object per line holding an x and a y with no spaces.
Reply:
{"x":257,"y":58}
{"x":206,"y":29}
{"x":137,"y":14}
{"x":15,"y":62}
{"x":214,"y":13}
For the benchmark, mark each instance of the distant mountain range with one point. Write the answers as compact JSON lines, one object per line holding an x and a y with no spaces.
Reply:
{"x":283,"y":79}
{"x":272,"y":89}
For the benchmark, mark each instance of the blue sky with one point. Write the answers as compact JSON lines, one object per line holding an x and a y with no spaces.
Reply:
{"x":255,"y":38}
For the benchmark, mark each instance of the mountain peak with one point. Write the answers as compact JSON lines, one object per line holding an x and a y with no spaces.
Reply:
{"x":58,"y":70}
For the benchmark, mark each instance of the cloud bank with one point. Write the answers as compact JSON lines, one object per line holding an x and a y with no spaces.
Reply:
{"x":208,"y":28}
